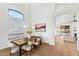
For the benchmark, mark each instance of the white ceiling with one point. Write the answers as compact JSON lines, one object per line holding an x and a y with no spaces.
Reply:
{"x":67,"y":8}
{"x":61,"y":8}
{"x":65,"y":5}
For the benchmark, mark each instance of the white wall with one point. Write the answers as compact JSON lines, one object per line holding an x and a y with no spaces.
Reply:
{"x":44,"y":13}
{"x":4,"y":20}
{"x":78,"y":31}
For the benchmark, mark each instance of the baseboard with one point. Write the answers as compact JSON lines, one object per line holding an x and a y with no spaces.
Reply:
{"x":49,"y":43}
{"x":77,"y":49}
{"x":1,"y":48}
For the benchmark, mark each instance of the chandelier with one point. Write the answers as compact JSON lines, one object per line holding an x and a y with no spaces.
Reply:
{"x":75,"y":20}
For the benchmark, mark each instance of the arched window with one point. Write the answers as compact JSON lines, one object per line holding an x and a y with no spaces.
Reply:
{"x":15,"y":13}
{"x":16,"y":21}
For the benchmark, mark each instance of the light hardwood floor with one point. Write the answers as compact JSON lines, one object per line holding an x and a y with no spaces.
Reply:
{"x":62,"y":48}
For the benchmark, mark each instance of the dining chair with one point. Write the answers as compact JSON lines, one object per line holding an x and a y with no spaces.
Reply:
{"x":13,"y":48}
{"x":37,"y":42}
{"x":28,"y":47}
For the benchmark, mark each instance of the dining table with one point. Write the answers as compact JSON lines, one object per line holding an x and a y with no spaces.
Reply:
{"x":20,"y":42}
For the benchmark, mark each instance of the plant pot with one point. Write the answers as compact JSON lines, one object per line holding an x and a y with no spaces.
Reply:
{"x":29,"y":36}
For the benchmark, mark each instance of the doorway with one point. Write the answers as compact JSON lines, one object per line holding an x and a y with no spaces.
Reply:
{"x":66,"y":31}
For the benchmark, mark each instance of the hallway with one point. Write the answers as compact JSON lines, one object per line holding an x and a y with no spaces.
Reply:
{"x":66,"y":47}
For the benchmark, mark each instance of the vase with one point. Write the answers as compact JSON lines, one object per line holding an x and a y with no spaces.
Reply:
{"x":29,"y":36}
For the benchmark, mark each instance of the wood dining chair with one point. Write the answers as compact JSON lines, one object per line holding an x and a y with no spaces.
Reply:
{"x":37,"y":42}
{"x":28,"y":47}
{"x":13,"y":48}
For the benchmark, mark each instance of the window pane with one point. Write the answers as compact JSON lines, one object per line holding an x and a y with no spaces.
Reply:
{"x":16,"y":22}
{"x":15,"y":13}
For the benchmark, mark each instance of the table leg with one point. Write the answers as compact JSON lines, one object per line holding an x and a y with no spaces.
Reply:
{"x":19,"y":50}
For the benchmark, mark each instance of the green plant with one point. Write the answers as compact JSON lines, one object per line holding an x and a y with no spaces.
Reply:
{"x":29,"y":32}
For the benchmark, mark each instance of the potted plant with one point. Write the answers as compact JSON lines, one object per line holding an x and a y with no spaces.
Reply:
{"x":29,"y":33}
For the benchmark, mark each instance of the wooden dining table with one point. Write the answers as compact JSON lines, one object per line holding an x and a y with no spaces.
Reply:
{"x":20,"y":43}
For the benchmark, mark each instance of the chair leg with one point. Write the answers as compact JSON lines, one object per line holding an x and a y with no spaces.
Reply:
{"x":29,"y":52}
{"x":16,"y":53}
{"x":10,"y":52}
{"x":32,"y":46}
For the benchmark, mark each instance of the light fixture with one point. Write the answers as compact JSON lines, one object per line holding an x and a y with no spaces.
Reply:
{"x":24,"y":26}
{"x":75,"y":20}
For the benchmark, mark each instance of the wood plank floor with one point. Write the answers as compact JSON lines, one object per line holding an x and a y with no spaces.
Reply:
{"x":62,"y":48}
